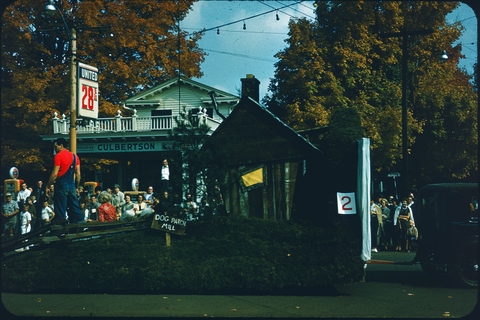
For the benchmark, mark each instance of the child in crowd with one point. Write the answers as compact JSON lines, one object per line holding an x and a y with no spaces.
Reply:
{"x":25,"y":219}
{"x":412,"y":236}
{"x":25,"y":223}
{"x":84,"y":209}
{"x":47,"y":213}
{"x":33,"y":211}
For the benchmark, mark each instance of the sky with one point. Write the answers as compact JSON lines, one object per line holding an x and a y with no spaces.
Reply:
{"x":233,"y":51}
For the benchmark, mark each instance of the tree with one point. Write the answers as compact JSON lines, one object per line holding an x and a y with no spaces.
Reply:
{"x":340,"y":145}
{"x":341,"y":60}
{"x":201,"y":168}
{"x":345,"y":130}
{"x":134,"y":44}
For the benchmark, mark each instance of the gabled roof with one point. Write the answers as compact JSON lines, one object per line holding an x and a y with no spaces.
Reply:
{"x":150,"y":96}
{"x":251,"y":134}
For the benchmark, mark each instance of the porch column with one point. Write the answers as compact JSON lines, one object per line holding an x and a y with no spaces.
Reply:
{"x":134,"y":120}
{"x":118,"y":121}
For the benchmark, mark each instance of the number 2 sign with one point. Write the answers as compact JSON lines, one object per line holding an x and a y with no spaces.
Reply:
{"x":346,"y":203}
{"x":87,"y":96}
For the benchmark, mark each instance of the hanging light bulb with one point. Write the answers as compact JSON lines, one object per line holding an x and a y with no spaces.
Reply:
{"x":244,"y":26}
{"x":218,"y":31}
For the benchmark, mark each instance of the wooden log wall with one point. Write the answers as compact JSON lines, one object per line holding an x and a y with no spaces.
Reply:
{"x":273,"y":200}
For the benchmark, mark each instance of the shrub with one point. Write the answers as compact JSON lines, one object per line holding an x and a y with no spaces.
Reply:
{"x":223,"y":255}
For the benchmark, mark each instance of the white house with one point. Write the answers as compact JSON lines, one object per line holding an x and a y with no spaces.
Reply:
{"x":141,"y":141}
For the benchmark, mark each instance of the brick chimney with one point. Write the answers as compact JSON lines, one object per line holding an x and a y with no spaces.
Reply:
{"x":251,"y":87}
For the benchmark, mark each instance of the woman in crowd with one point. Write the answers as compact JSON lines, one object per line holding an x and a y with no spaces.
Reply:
{"x":106,"y":211}
{"x":128,"y":212}
{"x":402,"y":224}
{"x":151,"y":209}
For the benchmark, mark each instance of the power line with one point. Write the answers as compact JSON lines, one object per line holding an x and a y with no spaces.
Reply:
{"x":247,"y":31}
{"x":466,"y":19}
{"x":275,"y":8}
{"x":243,"y":20}
{"x":298,"y":11}
{"x":239,"y":55}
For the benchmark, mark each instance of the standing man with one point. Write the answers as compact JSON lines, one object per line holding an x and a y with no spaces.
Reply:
{"x":411,"y":204}
{"x":66,"y":176}
{"x":50,"y":195}
{"x":118,"y":200}
{"x":165,"y":177}
{"x":10,"y":211}
{"x":23,"y":194}
{"x":93,"y":205}
{"x":149,"y":196}
{"x":39,"y":193}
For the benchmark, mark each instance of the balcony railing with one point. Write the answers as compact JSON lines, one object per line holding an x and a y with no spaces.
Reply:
{"x":123,"y":124}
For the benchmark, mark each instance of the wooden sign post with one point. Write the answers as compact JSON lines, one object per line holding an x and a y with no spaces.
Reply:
{"x":169,"y":225}
{"x":167,"y":239}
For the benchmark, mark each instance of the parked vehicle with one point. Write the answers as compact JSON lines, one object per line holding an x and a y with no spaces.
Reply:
{"x":447,"y":220}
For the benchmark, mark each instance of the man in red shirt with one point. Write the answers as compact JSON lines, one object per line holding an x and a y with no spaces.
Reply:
{"x":66,"y":176}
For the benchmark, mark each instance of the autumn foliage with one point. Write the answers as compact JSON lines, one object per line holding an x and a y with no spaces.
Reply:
{"x":344,"y":59}
{"x":134,"y":44}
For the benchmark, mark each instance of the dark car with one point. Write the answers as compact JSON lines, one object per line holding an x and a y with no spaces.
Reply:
{"x":447,"y":220}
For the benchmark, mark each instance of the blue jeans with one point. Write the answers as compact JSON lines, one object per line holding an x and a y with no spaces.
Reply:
{"x":65,"y":199}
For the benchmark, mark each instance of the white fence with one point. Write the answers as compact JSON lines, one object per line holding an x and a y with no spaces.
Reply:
{"x":123,"y":124}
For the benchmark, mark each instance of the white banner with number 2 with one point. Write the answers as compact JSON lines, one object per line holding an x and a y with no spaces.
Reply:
{"x":346,"y":203}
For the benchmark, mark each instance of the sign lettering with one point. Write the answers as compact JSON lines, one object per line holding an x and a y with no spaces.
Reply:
{"x":107,"y":147}
{"x":346,"y":203}
{"x":169,"y":224}
{"x":87,"y":83}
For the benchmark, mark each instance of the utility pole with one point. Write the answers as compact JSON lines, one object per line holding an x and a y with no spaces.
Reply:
{"x":50,"y":10}
{"x":405,"y":34}
{"x":73,"y":91}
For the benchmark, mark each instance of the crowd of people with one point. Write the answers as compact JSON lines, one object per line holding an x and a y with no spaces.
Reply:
{"x":66,"y":201}
{"x":114,"y":205}
{"x":393,"y":224}
{"x":27,"y":210}
{"x":33,"y":208}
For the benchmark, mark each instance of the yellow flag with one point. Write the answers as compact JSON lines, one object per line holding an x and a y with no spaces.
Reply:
{"x":253,"y":177}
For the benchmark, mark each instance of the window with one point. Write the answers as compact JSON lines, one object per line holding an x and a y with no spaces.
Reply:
{"x":253,"y":179}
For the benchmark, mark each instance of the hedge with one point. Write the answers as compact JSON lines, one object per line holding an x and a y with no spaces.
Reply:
{"x":222,"y":255}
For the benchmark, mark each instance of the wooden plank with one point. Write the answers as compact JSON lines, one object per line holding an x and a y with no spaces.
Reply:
{"x":72,"y":231}
{"x":87,"y":234}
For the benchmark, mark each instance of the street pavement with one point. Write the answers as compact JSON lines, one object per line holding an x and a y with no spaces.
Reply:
{"x":392,"y":289}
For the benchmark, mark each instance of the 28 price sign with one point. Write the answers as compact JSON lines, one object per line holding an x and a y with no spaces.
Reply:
{"x":87,"y":80}
{"x":89,"y":97}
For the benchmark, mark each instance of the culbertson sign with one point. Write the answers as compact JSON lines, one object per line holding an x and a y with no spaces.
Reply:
{"x":105,"y":147}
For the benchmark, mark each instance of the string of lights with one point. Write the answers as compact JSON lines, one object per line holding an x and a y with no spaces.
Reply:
{"x":298,"y":11}
{"x":217,"y":28}
{"x":247,"y":31}
{"x":469,"y":44}
{"x":266,"y":4}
